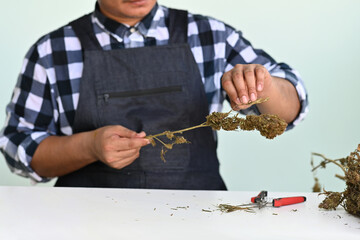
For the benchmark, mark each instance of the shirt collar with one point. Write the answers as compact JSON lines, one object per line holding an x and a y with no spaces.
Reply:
{"x":121,"y":30}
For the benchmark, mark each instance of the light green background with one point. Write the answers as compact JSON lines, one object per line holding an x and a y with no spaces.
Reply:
{"x":320,"y":38}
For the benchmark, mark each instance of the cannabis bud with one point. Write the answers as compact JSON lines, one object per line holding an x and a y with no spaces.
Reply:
{"x":332,"y":200}
{"x":268,"y":125}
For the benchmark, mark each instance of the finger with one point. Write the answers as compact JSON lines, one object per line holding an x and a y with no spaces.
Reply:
{"x":260,"y":77}
{"x":113,"y":157}
{"x":240,"y":85}
{"x":230,"y":89}
{"x":127,"y":153}
{"x":234,"y":106}
{"x":250,"y":81}
{"x":141,"y":134}
{"x":124,"y":162}
{"x":130,"y":143}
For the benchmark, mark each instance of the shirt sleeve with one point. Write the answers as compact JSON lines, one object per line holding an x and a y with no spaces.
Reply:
{"x":29,"y":117}
{"x":240,"y":51}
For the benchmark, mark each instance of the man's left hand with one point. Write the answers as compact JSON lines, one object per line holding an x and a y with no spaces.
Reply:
{"x":245,"y":83}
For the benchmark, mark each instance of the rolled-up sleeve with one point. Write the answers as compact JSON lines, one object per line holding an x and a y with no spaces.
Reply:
{"x":29,"y":117}
{"x":282,"y":70}
{"x":240,"y":51}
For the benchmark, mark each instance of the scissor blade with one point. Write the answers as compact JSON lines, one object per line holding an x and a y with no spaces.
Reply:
{"x":248,"y":205}
{"x":262,"y":204}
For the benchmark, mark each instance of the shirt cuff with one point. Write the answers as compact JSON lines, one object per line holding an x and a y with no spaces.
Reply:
{"x":293,"y":77}
{"x":19,"y":157}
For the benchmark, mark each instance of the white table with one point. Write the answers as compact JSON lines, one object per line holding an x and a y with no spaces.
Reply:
{"x":91,"y":213}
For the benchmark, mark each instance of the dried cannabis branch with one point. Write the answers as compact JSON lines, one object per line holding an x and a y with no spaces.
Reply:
{"x":350,"y":198}
{"x":268,"y":125}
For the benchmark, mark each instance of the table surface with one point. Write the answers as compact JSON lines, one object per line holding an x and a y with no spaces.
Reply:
{"x":94,"y":213}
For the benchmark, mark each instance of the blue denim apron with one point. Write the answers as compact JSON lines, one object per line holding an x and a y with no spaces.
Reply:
{"x":151,"y":89}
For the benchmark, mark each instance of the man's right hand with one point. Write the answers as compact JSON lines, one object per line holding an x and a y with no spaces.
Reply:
{"x":117,"y":146}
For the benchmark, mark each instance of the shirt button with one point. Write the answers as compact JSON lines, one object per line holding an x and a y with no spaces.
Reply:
{"x":132,"y":30}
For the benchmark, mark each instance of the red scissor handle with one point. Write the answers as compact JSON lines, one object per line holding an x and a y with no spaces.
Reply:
{"x":278,"y":202}
{"x":260,"y":197}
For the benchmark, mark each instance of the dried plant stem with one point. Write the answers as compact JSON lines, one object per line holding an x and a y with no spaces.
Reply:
{"x":156,"y":137}
{"x":257,"y":101}
{"x":328,"y":160}
{"x":340,"y":177}
{"x":178,"y":131}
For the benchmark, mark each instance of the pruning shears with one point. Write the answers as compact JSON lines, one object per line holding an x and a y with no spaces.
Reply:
{"x":261,"y":200}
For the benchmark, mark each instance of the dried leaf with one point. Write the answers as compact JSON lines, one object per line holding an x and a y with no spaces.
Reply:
{"x":162,"y":154}
{"x":317,"y":186}
{"x":180,"y":140}
{"x":169,"y":145}
{"x":169,"y":135}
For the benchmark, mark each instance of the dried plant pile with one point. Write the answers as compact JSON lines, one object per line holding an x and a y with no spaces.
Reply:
{"x":268,"y":125}
{"x":350,"y":198}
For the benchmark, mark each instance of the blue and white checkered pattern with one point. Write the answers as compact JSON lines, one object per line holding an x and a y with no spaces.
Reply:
{"x":46,"y":96}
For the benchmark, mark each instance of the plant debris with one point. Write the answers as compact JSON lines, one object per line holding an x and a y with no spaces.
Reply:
{"x":180,"y":208}
{"x":206,"y":210}
{"x":268,"y":125}
{"x":350,"y":198}
{"x":316,"y":187}
{"x":227,"y":208}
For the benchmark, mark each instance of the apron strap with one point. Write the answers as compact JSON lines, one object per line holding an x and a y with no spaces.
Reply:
{"x":177,"y":23}
{"x":84,"y":31}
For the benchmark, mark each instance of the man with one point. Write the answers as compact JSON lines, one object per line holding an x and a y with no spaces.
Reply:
{"x":90,"y":91}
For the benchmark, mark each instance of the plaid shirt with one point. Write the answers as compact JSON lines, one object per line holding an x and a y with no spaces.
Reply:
{"x":46,"y":95}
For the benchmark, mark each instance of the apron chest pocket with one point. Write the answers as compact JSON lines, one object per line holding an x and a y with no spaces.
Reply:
{"x":141,"y":93}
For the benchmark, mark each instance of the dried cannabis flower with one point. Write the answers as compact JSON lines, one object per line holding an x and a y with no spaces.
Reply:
{"x":350,"y":198}
{"x":268,"y":125}
{"x":332,"y":200}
